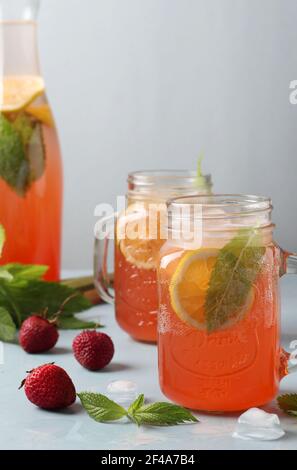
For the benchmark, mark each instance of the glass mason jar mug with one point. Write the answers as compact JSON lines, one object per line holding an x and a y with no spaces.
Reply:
{"x":219,"y":326}
{"x":138,"y":238}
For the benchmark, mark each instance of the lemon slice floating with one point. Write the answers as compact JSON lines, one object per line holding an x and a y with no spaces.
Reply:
{"x":139,"y":250}
{"x":42,"y":113}
{"x":189,"y":285}
{"x":19,"y":92}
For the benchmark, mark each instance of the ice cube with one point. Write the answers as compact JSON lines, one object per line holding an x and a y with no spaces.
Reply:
{"x":123,"y":392}
{"x":257,"y":424}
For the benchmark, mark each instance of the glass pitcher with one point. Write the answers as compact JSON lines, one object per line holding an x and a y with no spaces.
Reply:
{"x":30,"y":162}
{"x":219,"y":326}
{"x":136,"y":254}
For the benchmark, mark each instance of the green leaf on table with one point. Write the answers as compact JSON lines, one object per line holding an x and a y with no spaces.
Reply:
{"x":38,"y":295}
{"x":288,"y":403}
{"x":74,"y":323}
{"x":8,"y":302}
{"x":101,"y":408}
{"x":162,"y":414}
{"x":2,"y":238}
{"x":4,"y":274}
{"x":26,"y":272}
{"x":23,"y":298}
{"x":138,"y":403}
{"x":7,"y":326}
{"x":232,"y":278}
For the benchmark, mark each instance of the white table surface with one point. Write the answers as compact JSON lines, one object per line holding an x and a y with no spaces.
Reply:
{"x":23,"y":426}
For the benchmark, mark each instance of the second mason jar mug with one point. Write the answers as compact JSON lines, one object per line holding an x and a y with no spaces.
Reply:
{"x":219,"y":325}
{"x":137,"y":249}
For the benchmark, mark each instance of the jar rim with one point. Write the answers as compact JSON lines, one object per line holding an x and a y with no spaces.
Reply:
{"x":230,"y":205}
{"x":165,"y":177}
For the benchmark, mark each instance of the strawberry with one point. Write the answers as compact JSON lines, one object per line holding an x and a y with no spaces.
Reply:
{"x":93,"y":350}
{"x":37,"y":334}
{"x":49,"y":387}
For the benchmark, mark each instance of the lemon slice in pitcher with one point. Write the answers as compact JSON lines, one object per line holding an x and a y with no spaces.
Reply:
{"x":42,"y":113}
{"x":19,"y":92}
{"x":189,"y":286}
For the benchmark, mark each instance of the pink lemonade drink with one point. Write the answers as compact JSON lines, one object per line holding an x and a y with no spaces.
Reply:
{"x":219,"y":339}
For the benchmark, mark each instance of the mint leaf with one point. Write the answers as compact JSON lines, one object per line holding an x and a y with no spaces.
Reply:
{"x":8,"y":302}
{"x":31,"y":135}
{"x":37,"y":295}
{"x":23,"y":298}
{"x":25,"y":272}
{"x":4,"y":274}
{"x":22,"y":152}
{"x":7,"y":326}
{"x":24,"y":126}
{"x":288,"y":403}
{"x":199,"y":166}
{"x":36,"y":154}
{"x":201,"y":181}
{"x":138,"y":403}
{"x":14,"y":168}
{"x":2,"y":238}
{"x":162,"y":414}
{"x":20,"y":273}
{"x":73,"y":323}
{"x":101,"y":408}
{"x":232,"y":278}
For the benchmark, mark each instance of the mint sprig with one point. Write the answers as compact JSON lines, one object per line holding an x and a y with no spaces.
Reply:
{"x":102,"y":409}
{"x":22,"y":298}
{"x":7,"y":326}
{"x":288,"y":403}
{"x":14,"y":168}
{"x":136,"y":405}
{"x":23,"y":293}
{"x":22,"y":151}
{"x":25,"y":272}
{"x":233,"y":275}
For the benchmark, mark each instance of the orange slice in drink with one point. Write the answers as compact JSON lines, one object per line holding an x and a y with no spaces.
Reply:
{"x":19,"y":92}
{"x":189,"y":285}
{"x":137,"y":244}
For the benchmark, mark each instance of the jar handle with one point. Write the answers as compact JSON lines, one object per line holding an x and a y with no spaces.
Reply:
{"x":103,"y":280}
{"x":288,"y":361}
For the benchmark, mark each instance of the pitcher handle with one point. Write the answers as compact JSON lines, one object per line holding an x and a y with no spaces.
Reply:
{"x":288,"y":361}
{"x":103,"y":280}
